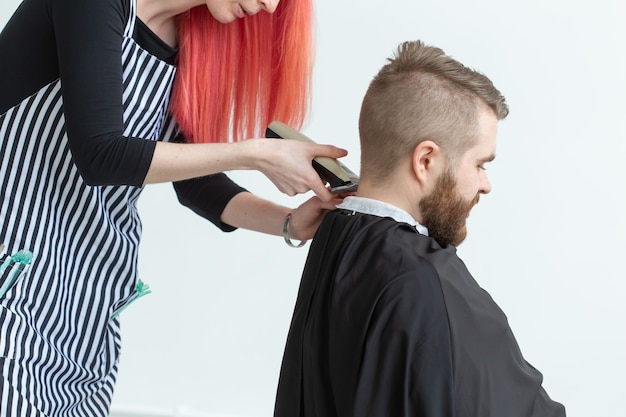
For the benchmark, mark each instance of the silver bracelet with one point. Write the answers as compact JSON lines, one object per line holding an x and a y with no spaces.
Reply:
{"x":286,"y":233}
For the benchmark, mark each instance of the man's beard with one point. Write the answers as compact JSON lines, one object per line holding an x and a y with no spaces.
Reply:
{"x":444,"y":212}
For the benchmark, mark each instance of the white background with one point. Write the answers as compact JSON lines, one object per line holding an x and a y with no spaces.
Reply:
{"x":548,"y":243}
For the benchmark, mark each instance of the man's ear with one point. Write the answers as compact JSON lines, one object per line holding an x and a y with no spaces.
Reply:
{"x":427,"y":161}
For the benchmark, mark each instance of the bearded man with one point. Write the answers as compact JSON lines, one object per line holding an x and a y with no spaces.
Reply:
{"x":388,"y":320}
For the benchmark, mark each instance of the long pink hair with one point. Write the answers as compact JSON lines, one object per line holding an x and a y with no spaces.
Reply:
{"x":233,"y":79}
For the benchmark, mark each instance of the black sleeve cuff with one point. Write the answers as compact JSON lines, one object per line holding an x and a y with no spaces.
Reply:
{"x":113,"y":160}
{"x":208,"y":196}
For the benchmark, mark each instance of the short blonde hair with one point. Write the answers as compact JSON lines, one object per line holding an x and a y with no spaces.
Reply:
{"x":422,"y":94}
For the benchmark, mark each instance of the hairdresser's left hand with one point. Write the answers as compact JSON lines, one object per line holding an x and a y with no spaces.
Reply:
{"x":307,"y":217}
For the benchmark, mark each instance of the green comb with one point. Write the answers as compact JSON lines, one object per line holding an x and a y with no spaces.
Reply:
{"x":21,"y":258}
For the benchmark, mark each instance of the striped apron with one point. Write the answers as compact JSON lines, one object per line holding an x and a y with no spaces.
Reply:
{"x":60,"y":341}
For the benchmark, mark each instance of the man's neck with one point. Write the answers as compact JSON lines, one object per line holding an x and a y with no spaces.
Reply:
{"x":393,"y":194}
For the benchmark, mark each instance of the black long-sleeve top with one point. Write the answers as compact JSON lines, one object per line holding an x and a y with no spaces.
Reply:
{"x":80,"y":42}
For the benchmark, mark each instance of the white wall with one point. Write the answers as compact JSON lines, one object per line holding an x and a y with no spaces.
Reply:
{"x":546,"y":243}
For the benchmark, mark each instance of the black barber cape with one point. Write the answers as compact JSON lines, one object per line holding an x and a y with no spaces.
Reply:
{"x":389,"y":324}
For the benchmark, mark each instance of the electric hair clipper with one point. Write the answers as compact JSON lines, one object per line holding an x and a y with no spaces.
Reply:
{"x":330,"y":170}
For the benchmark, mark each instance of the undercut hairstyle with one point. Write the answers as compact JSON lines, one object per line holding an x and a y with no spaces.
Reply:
{"x":422,"y":94}
{"x":233,"y":79}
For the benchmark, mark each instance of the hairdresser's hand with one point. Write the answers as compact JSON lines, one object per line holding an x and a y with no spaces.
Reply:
{"x":288,"y":164}
{"x":307,"y":217}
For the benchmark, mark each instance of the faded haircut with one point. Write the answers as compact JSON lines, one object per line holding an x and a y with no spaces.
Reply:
{"x":422,"y":94}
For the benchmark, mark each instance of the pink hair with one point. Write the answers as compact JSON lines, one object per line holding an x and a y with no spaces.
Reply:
{"x":233,"y":79}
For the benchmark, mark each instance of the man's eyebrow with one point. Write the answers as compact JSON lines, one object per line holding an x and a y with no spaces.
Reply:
{"x":488,"y":158}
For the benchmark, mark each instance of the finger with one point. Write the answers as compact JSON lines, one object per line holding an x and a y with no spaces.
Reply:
{"x":331,"y":205}
{"x":322,"y":192}
{"x":331,"y":151}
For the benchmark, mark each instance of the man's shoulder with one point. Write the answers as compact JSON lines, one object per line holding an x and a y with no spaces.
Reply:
{"x":382,"y":252}
{"x":397,"y":239}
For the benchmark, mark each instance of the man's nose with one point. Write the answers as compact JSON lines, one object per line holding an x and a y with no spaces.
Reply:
{"x":485,"y":184}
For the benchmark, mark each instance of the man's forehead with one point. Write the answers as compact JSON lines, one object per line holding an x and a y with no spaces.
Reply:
{"x":485,"y":146}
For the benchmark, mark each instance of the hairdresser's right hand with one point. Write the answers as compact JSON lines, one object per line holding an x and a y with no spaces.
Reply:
{"x":288,"y":164}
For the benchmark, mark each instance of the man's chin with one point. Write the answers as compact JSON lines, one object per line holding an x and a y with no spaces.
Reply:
{"x":460,"y":236}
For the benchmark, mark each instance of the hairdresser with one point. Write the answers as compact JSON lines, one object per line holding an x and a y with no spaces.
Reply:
{"x":99,"y":98}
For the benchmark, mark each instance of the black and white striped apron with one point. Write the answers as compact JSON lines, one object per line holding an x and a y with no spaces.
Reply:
{"x":59,"y":344}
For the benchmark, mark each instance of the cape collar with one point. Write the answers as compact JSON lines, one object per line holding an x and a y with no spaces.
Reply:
{"x":381,"y":209}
